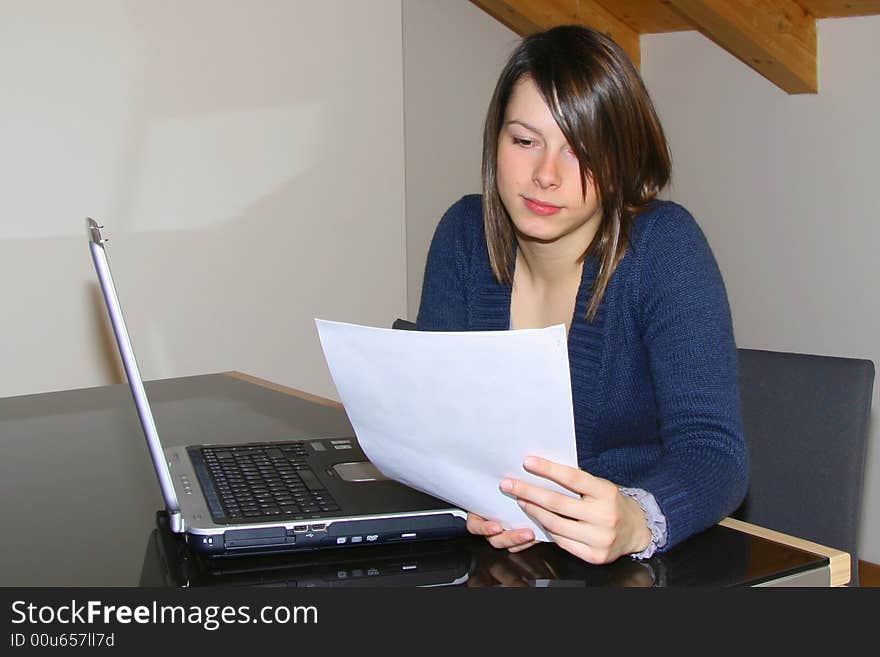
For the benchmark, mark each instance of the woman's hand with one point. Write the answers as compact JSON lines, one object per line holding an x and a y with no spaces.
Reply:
{"x":598,"y":527}
{"x":514,"y":540}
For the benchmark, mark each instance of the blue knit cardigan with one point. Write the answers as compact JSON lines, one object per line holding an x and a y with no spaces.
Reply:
{"x":653,"y":377}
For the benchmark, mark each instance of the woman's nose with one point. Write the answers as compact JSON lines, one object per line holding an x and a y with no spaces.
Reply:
{"x":546,"y":173}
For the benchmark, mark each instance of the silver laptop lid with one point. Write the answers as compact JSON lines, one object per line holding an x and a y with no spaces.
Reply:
{"x":102,"y":267}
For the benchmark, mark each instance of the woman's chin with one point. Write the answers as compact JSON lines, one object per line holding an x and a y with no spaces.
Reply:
{"x":541,"y":234}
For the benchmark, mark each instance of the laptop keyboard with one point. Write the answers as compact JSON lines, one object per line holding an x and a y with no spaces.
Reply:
{"x":265,"y":482}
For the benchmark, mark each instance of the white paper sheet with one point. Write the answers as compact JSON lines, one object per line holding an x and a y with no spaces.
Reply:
{"x":452,"y":414}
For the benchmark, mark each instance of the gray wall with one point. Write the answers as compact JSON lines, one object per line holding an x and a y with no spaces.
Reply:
{"x":783,"y":185}
{"x":246,"y":158}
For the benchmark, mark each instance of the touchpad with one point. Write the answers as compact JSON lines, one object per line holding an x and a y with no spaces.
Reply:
{"x":360,"y":471}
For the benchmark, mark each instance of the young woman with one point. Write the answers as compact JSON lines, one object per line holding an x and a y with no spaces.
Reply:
{"x":569,"y":230}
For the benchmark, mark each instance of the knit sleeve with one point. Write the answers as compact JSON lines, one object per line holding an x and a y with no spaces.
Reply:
{"x":446,"y":283}
{"x":686,"y":327}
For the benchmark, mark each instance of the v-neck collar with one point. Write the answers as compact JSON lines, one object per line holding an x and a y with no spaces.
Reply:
{"x":490,"y":311}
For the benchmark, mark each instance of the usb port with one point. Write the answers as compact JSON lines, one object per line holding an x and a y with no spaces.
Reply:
{"x":300,"y":528}
{"x":319,"y":527}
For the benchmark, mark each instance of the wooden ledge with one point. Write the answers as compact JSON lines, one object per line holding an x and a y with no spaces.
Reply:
{"x":277,"y":387}
{"x":837,"y":559}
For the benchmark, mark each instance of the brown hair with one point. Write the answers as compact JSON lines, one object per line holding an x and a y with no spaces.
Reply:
{"x":602,"y":107}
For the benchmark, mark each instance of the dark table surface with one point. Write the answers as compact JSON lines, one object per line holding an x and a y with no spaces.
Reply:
{"x":81,"y":502}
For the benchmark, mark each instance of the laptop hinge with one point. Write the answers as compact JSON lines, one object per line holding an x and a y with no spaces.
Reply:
{"x":175,"y":522}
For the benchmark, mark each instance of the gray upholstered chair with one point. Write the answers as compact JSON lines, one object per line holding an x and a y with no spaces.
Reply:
{"x":806,"y":421}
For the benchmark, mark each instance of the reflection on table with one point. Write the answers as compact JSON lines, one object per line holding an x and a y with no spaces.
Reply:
{"x":717,"y":557}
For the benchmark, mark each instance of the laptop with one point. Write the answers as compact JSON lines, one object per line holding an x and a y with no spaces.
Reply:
{"x":280,"y":496}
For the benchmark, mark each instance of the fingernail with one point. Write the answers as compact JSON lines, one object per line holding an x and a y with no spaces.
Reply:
{"x":525,"y":536}
{"x":494,"y":529}
{"x":506,"y":484}
{"x":530,"y":462}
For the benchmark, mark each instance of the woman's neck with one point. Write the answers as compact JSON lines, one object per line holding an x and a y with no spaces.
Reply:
{"x":549,"y":264}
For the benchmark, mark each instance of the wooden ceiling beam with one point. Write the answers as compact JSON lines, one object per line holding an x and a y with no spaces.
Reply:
{"x":648,"y":16}
{"x":527,"y":16}
{"x":841,"y":8}
{"x":777,"y":38}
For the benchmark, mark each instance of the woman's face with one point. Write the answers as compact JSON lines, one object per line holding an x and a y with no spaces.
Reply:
{"x":538,"y":176}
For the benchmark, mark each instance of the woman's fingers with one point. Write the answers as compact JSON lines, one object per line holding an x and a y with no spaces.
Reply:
{"x":562,"y":527}
{"x":516,"y":539}
{"x":564,"y":505}
{"x":521,"y":547}
{"x":594,"y":511}
{"x":574,"y":479}
{"x":513,"y":539}
{"x":481,"y":526}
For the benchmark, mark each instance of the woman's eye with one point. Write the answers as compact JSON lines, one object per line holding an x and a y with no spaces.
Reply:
{"x":523,"y":141}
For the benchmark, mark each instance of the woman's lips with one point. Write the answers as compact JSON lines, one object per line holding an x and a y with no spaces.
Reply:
{"x":541,"y":208}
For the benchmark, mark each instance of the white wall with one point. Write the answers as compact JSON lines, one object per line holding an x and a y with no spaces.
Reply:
{"x":785,"y":188}
{"x":246,"y":158}
{"x":452,"y":54}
